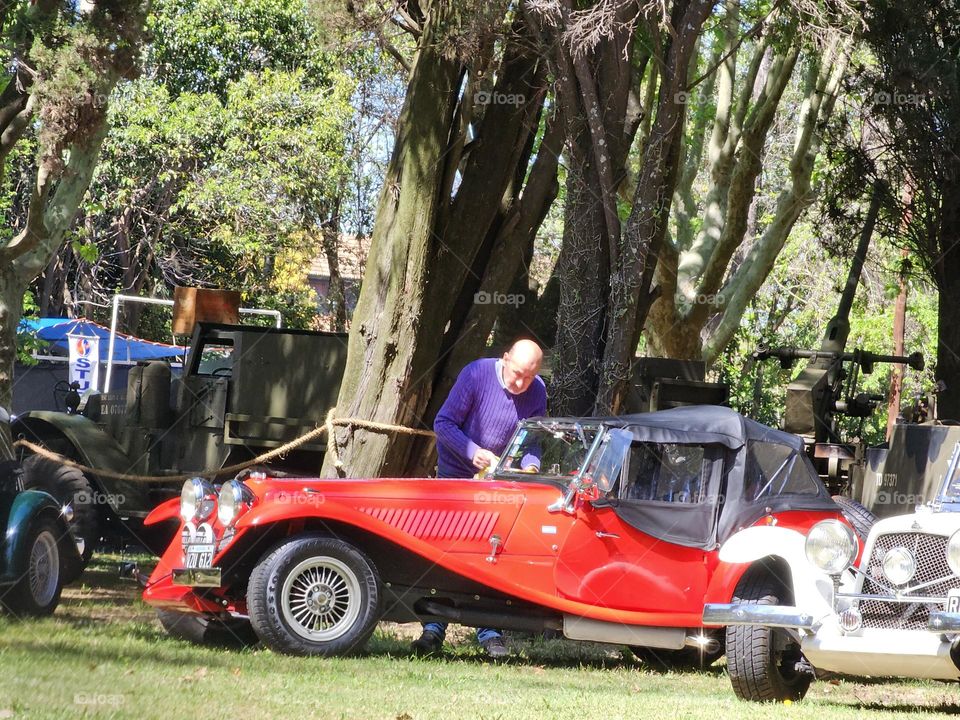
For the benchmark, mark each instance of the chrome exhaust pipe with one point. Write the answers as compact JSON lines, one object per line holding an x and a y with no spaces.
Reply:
{"x":705,"y":643}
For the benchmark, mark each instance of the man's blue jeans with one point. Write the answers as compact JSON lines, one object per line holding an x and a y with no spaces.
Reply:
{"x":440,"y":629}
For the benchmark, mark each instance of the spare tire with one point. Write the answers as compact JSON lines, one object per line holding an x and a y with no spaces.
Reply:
{"x":857,"y":515}
{"x":69,"y":486}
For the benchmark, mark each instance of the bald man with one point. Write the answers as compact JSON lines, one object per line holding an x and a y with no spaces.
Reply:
{"x":473,"y":427}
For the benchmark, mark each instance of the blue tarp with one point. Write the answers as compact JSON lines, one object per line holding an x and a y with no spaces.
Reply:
{"x":126,"y":347}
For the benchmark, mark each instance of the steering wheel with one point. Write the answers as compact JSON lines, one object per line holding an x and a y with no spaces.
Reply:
{"x":222,"y":372}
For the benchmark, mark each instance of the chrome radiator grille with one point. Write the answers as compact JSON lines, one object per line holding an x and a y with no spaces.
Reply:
{"x":930,"y":552}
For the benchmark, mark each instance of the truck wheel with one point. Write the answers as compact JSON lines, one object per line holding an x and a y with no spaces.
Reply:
{"x":763,"y":662}
{"x":37,"y":593}
{"x":314,"y":596}
{"x":857,"y":515}
{"x":202,"y":630}
{"x":69,"y":486}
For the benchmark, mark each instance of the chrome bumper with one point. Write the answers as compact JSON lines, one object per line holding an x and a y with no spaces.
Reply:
{"x":944,"y":622}
{"x":197,"y":577}
{"x":746,"y":614}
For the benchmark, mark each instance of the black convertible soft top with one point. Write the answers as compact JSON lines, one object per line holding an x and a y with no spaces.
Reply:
{"x":751,"y":470}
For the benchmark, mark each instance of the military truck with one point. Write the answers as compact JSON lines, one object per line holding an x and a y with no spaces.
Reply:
{"x":243,"y":390}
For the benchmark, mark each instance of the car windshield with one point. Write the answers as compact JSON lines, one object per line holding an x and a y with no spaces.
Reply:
{"x":544,"y":449}
{"x":950,"y":488}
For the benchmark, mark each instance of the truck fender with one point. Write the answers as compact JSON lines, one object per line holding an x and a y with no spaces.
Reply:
{"x":812,"y":589}
{"x":94,"y":448}
{"x":27,"y":507}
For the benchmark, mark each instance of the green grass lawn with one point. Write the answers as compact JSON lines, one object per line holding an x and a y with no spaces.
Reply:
{"x":103,"y":654}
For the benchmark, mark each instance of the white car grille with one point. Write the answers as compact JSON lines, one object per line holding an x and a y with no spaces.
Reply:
{"x":931,"y":556}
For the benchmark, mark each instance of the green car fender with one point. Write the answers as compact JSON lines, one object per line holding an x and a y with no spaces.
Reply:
{"x":95,"y":448}
{"x":28,"y":507}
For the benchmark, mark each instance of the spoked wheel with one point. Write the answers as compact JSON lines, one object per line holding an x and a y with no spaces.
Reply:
{"x":38,"y":591}
{"x":765,"y":664}
{"x":314,"y":596}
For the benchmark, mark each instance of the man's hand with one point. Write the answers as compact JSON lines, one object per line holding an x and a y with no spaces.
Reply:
{"x":483,"y":459}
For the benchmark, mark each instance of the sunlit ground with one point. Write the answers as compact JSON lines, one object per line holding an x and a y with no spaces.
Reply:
{"x":103,"y":654}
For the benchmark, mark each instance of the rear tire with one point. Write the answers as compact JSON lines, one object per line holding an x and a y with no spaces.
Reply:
{"x":314,"y":596}
{"x":37,"y":593}
{"x":762,"y":661}
{"x":857,"y":515}
{"x":202,"y":630}
{"x":70,"y":487}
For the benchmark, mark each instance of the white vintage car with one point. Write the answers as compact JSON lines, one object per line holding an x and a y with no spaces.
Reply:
{"x":892,"y":610}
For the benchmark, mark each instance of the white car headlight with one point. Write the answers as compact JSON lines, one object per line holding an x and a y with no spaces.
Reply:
{"x":831,"y":546}
{"x":230,"y":502}
{"x":899,"y":565}
{"x":953,"y":553}
{"x":196,"y":500}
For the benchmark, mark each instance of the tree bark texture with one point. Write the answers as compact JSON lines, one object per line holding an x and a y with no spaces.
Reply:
{"x":646,"y":226}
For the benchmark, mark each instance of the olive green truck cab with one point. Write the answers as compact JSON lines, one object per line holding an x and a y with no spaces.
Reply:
{"x":243,"y":391}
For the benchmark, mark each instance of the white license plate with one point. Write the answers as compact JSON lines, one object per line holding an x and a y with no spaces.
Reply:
{"x":953,"y":601}
{"x":199,"y":556}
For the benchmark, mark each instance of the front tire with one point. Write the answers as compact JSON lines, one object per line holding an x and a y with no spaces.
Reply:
{"x":37,"y":593}
{"x":857,"y":515}
{"x":314,"y":596}
{"x":70,"y":487}
{"x":763,"y":662}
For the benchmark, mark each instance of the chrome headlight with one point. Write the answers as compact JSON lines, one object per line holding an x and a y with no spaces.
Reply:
{"x":899,"y":565}
{"x":196,"y":500}
{"x":953,"y":553}
{"x":230,"y":502}
{"x":831,"y":546}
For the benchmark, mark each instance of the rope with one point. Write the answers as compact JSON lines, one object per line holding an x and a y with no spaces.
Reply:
{"x":327,"y":427}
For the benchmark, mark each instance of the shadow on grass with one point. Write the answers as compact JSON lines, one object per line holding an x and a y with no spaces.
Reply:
{"x":913,"y":708}
{"x":540,"y":653}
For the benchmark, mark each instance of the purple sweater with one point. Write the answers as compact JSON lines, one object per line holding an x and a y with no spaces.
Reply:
{"x":480,"y":413}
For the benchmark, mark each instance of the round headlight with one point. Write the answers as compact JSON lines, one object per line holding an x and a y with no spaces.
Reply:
{"x":953,"y":553}
{"x":191,"y":496}
{"x":195,"y":503}
{"x":230,"y":502}
{"x":831,"y":546}
{"x":899,"y":565}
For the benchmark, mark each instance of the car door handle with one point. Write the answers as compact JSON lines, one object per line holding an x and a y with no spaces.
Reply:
{"x":602,"y":534}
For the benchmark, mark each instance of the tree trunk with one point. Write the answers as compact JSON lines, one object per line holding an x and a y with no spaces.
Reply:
{"x":948,"y":283}
{"x":388,"y":375}
{"x":630,"y":295}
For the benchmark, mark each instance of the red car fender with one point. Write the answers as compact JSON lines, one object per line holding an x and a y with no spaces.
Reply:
{"x":167,"y":510}
{"x":812,"y":589}
{"x":470,"y":565}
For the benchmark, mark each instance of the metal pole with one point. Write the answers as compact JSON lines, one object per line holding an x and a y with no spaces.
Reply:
{"x":113,"y":336}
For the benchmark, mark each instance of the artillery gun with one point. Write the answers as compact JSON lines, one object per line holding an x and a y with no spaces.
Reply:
{"x":826,"y":388}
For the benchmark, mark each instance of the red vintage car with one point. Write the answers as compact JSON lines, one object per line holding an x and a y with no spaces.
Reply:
{"x":613,"y":539}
